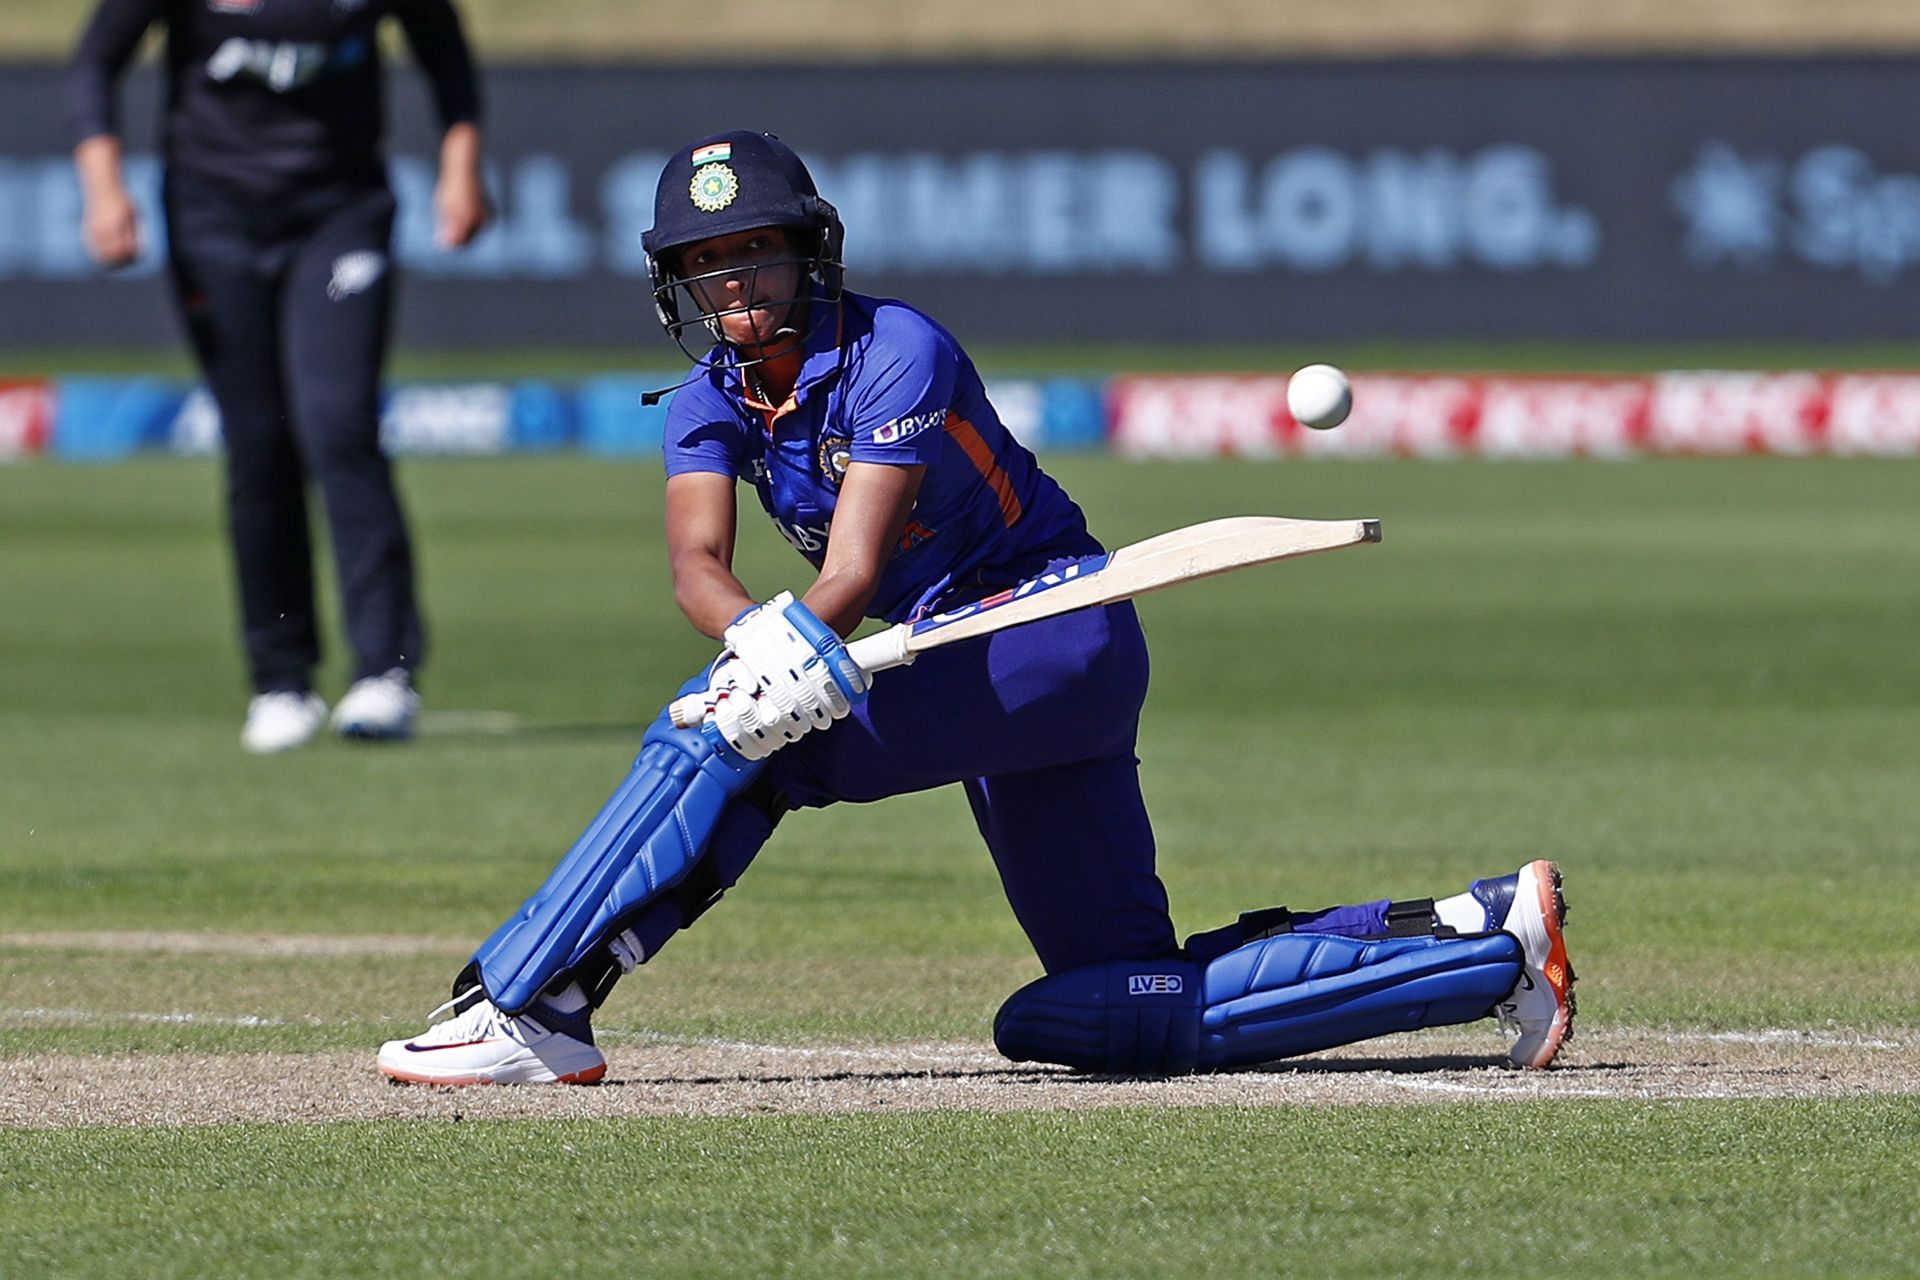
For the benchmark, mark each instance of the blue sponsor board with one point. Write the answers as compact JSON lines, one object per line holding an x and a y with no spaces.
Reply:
{"x":1527,"y":198}
{"x":104,"y":418}
{"x":98,"y":419}
{"x":613,"y":420}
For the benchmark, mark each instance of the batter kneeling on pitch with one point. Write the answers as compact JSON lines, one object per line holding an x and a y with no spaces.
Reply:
{"x":865,"y":432}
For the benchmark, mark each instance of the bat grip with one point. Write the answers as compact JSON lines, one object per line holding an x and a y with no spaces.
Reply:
{"x":878,"y":652}
{"x":882,"y":649}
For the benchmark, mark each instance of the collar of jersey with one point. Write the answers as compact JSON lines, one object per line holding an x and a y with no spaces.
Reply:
{"x":822,"y":361}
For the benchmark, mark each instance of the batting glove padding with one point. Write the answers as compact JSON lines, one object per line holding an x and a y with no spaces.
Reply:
{"x":788,"y":675}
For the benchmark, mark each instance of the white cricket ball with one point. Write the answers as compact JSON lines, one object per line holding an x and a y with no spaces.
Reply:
{"x":1319,"y":396}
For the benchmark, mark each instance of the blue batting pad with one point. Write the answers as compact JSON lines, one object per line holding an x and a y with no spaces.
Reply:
{"x":642,"y":843}
{"x":1275,"y":998}
{"x":1138,"y":1018}
{"x":1302,"y":992}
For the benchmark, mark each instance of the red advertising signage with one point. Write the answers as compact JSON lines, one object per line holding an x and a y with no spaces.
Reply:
{"x":1445,"y":415}
{"x":26,"y":413}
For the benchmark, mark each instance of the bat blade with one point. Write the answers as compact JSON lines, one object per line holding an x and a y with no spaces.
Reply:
{"x":1183,"y":555}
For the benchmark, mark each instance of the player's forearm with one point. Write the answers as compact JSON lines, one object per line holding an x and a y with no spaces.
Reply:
{"x":840,"y":595}
{"x":460,"y":152}
{"x":96,"y":161}
{"x":708,"y":594}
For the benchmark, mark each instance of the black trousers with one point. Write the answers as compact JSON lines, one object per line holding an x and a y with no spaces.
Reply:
{"x":288,"y":310}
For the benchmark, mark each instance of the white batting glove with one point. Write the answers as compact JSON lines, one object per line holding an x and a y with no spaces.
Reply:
{"x":726,"y":674}
{"x":789,"y":675}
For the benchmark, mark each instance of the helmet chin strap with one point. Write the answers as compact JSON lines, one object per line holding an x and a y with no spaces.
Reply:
{"x":712,"y":325}
{"x":786,"y":338}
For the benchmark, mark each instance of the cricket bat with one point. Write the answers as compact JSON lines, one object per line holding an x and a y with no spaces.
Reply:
{"x":1184,"y":555}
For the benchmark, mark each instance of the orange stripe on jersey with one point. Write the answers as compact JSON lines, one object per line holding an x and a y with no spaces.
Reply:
{"x":967,"y":436}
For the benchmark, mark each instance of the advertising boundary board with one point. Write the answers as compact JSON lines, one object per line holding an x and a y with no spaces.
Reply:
{"x":1622,"y":199}
{"x":1431,"y":416}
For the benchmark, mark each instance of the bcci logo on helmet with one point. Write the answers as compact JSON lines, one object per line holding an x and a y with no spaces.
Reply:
{"x":713,"y":188}
{"x":1154,"y":984}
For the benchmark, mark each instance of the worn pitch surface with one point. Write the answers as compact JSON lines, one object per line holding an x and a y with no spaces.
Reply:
{"x":662,"y":1077}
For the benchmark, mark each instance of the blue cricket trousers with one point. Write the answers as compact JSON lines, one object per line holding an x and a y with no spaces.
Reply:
{"x":1037,"y":723}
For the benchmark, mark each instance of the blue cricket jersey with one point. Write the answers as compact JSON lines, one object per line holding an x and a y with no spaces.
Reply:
{"x":884,"y":383}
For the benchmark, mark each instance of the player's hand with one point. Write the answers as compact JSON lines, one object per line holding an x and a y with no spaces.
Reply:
{"x":726,"y":675}
{"x":111,"y":228}
{"x":460,"y":209}
{"x":789,"y":675}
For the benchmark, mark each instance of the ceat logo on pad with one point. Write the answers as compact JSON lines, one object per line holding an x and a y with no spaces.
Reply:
{"x":1154,"y":984}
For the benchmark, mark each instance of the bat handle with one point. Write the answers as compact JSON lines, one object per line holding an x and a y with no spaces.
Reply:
{"x":882,"y":649}
{"x":878,"y":652}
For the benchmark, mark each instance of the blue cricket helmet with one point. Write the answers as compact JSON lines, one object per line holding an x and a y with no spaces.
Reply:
{"x":730,"y":182}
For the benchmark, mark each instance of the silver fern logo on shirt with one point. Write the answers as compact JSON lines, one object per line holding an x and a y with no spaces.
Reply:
{"x":355,"y":273}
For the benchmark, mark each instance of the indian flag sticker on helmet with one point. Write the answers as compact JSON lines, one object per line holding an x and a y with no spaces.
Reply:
{"x":714,"y":187}
{"x":713,"y":153}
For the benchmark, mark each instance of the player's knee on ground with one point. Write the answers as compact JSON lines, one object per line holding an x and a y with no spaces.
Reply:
{"x":1272,"y":998}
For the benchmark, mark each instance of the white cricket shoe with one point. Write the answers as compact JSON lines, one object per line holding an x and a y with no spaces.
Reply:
{"x":382,"y":706}
{"x":1530,"y":906}
{"x":486,"y":1046}
{"x":281,"y":721}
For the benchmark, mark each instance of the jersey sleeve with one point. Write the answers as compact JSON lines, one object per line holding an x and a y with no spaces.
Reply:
{"x":702,"y":433}
{"x":440,"y":47}
{"x":93,"y":73}
{"x":899,"y":411}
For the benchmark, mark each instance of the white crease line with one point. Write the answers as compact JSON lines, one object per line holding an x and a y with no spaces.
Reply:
{"x":1780,"y":1035}
{"x":432,"y":722}
{"x":93,"y":1017}
{"x":1495,"y":1091}
{"x":84,"y":1017}
{"x":802,"y":1051}
{"x":1437,"y":1086}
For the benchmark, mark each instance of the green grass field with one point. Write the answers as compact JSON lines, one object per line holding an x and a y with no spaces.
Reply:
{"x":1691,"y":682}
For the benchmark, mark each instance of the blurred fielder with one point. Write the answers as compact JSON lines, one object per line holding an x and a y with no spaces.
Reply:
{"x":864,"y":431}
{"x":278,"y":218}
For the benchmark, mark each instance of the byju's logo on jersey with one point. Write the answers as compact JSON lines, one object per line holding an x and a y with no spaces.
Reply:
{"x":903,"y":429}
{"x":1154,"y":984}
{"x":806,"y":539}
{"x":355,"y":272}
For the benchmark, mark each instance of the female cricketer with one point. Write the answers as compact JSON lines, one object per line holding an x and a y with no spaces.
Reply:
{"x":278,"y":220}
{"x":863,"y":429}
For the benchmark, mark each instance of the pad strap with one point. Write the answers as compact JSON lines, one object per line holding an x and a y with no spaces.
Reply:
{"x":1268,"y":922}
{"x":1410,"y":919}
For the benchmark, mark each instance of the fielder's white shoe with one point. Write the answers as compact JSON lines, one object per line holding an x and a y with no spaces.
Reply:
{"x":281,"y":721}
{"x":486,"y":1046}
{"x":382,"y":706}
{"x":1530,"y":906}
